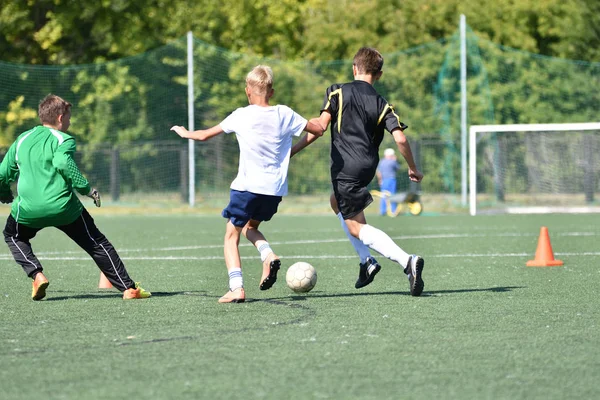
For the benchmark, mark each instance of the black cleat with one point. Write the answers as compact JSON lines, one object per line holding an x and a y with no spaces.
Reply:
{"x":271,"y":278}
{"x":414,"y":269}
{"x":367,"y":272}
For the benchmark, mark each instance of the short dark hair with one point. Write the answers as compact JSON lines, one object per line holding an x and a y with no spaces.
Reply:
{"x":51,"y":107}
{"x":368,"y":61}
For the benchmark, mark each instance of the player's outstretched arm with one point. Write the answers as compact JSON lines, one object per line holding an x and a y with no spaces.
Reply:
{"x":315,"y":128}
{"x":314,"y":131}
{"x":201,"y":135}
{"x":302,"y":143}
{"x":8,"y":173}
{"x":324,"y":120}
{"x":94,"y":194}
{"x":404,"y":148}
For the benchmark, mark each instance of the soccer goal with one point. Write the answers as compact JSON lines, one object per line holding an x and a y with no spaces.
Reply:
{"x":534,"y":168}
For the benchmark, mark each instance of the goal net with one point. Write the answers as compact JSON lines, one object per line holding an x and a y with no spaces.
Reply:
{"x":534,"y":168}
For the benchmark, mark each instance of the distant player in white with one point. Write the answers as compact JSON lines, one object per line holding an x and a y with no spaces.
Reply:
{"x":264,"y":134}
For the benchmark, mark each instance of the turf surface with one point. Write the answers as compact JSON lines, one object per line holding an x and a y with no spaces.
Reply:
{"x":486,"y":326}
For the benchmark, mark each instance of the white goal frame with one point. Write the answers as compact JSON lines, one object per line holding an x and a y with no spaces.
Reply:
{"x":475,"y":129}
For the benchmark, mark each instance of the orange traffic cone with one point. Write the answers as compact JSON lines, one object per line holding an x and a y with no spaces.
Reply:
{"x":544,"y":257}
{"x":104,"y":282}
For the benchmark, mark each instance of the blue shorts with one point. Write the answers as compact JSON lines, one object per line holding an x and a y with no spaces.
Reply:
{"x":244,"y":206}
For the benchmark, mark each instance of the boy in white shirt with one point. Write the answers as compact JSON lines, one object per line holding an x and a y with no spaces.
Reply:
{"x":264,"y":134}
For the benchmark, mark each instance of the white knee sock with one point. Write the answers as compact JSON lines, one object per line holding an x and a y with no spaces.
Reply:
{"x":235,"y":279}
{"x":379,"y":241}
{"x":264,"y":249}
{"x":360,"y":248}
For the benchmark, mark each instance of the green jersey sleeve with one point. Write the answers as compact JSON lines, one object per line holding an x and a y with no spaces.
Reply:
{"x":9,"y":171}
{"x":65,"y":164}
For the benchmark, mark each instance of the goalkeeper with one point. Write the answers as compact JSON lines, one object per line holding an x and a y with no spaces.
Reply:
{"x":41,"y":159}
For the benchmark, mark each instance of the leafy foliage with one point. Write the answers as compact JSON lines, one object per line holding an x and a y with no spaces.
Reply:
{"x":122,"y":63}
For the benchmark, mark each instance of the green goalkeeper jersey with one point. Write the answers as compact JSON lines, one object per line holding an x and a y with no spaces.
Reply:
{"x":42,"y":161}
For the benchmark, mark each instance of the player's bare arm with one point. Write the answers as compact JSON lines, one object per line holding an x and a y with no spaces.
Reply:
{"x":314,"y":126}
{"x":404,"y":147}
{"x":314,"y":130}
{"x":302,"y":143}
{"x":324,"y":119}
{"x":201,"y":134}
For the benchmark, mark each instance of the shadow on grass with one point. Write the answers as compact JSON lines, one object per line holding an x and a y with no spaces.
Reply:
{"x":497,"y":289}
{"x":430,"y":293}
{"x":113,"y":294}
{"x":295,"y":297}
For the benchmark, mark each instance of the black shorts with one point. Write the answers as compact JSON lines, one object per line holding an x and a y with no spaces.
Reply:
{"x":352,"y":197}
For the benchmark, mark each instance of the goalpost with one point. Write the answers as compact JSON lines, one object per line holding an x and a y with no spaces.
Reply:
{"x":534,"y":168}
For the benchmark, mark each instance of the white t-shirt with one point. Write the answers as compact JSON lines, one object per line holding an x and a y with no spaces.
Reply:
{"x":264,"y":135}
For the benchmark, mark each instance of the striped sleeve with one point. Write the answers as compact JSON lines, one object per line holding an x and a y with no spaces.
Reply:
{"x":391,"y":119}
{"x":333,"y":104}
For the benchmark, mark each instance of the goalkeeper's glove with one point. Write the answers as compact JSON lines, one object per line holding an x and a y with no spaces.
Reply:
{"x":6,"y":197}
{"x":95,"y":195}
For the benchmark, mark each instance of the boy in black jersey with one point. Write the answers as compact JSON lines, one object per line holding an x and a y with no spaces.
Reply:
{"x":359,"y":116}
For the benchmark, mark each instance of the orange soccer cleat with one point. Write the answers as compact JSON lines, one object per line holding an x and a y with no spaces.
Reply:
{"x":270,"y":267}
{"x":234,"y":296}
{"x":39,"y":285}
{"x":137,"y":293}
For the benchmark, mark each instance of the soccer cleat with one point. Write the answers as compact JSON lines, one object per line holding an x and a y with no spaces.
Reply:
{"x":38,"y":287}
{"x":367,"y":272}
{"x":137,"y":293}
{"x":234,"y":296}
{"x":269,"y":276}
{"x":414,"y":269}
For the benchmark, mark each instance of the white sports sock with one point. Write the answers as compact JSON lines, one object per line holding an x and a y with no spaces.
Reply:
{"x":379,"y":241}
{"x":264,"y":249}
{"x":235,"y":278}
{"x":360,"y":248}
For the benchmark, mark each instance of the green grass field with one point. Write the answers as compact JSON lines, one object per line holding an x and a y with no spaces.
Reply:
{"x":486,"y":327}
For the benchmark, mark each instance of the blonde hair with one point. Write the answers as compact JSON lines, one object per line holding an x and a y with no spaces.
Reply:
{"x":260,"y":79}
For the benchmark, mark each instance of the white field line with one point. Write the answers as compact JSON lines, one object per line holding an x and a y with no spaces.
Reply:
{"x":306,"y":257}
{"x":313,"y":241}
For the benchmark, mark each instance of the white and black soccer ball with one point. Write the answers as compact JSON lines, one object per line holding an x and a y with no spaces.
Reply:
{"x":301,"y":277}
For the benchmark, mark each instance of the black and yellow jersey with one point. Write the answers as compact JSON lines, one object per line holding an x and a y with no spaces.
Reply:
{"x":359,"y":116}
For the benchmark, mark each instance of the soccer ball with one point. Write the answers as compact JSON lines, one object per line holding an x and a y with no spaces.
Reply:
{"x":301,"y":277}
